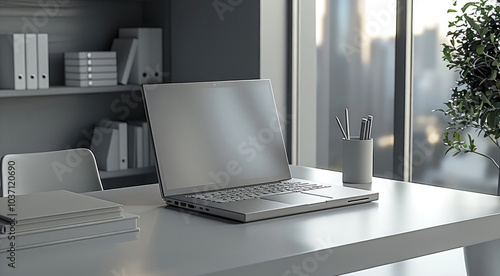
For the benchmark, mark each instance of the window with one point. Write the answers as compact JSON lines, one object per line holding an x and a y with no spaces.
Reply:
{"x":355,"y":70}
{"x":432,"y":87}
{"x":356,"y":57}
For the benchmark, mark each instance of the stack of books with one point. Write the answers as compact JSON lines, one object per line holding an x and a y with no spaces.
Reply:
{"x":40,"y":219}
{"x":85,"y":69}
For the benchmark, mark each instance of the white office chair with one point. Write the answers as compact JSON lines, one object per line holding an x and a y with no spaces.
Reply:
{"x":73,"y":170}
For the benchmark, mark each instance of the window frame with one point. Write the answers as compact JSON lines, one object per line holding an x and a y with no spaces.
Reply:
{"x":303,"y":87}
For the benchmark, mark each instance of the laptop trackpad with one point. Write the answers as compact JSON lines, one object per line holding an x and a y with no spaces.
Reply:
{"x":297,"y":199}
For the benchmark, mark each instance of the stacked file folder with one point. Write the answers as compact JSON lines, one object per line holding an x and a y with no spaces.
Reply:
{"x":59,"y":216}
{"x":85,"y":69}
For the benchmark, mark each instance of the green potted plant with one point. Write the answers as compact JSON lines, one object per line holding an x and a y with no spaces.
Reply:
{"x":474,"y":53}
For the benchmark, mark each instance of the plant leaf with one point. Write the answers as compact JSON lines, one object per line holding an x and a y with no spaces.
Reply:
{"x":466,"y":6}
{"x":470,"y":20}
{"x":484,"y":99}
{"x":493,"y":75}
{"x":480,"y":49}
{"x":483,"y":31}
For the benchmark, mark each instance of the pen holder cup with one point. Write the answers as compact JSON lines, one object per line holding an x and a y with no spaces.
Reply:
{"x":357,"y":161}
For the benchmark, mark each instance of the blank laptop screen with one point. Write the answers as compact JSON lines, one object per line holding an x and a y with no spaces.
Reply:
{"x":215,"y":135}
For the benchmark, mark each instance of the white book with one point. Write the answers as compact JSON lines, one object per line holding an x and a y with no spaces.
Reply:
{"x":121,"y":127}
{"x":94,"y":216}
{"x":56,"y":235}
{"x":90,"y":83}
{"x":148,"y":62}
{"x":43,"y":60}
{"x":89,"y":62}
{"x":105,"y":146}
{"x":31,"y":61}
{"x":90,"y":76}
{"x":12,"y":62}
{"x":90,"y":69}
{"x":126,"y":49}
{"x":90,"y":55}
{"x":145,"y":141}
{"x":51,"y":206}
{"x":135,"y":147}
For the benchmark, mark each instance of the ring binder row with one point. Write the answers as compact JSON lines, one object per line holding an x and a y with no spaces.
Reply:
{"x":135,"y":57}
{"x":25,"y":61}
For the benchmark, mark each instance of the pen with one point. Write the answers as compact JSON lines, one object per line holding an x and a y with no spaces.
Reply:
{"x":341,"y":128}
{"x":362,"y":131}
{"x":347,"y":128}
{"x":370,"y":124}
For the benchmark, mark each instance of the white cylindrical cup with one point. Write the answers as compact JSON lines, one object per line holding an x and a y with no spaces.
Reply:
{"x":357,"y":160}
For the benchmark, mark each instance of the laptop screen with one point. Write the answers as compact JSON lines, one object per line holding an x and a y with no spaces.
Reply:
{"x":212,"y":135}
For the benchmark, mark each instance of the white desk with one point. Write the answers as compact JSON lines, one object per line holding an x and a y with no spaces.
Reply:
{"x":409,"y":220}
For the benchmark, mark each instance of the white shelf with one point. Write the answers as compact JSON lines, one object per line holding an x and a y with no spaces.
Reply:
{"x":68,"y":90}
{"x":127,"y":172}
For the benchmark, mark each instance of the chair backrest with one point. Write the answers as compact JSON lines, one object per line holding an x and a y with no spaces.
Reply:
{"x":74,"y":170}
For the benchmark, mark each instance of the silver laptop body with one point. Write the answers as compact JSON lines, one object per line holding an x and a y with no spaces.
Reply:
{"x":219,"y":143}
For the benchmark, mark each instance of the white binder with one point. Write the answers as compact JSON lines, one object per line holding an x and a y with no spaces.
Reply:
{"x":31,"y":61}
{"x":90,"y":62}
{"x":148,"y":62}
{"x":12,"y":62}
{"x":90,"y":83}
{"x":105,"y":146}
{"x":122,"y":141}
{"x":145,"y":141}
{"x":90,"y":55}
{"x":155,"y":54}
{"x":135,"y":144}
{"x":43,"y":61}
{"x":89,"y":69}
{"x":126,"y":49}
{"x":91,"y":76}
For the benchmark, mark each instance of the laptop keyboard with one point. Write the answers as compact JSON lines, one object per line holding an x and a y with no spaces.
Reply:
{"x":257,"y":191}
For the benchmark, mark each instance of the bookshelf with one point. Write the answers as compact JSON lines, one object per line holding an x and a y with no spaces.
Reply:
{"x":198,"y":45}
{"x":63,"y":117}
{"x":65,"y":90}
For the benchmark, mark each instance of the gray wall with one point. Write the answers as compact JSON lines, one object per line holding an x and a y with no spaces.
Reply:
{"x":274,"y":51}
{"x":209,"y":43}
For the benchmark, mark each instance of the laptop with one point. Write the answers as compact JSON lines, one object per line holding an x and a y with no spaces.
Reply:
{"x":219,"y":150}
